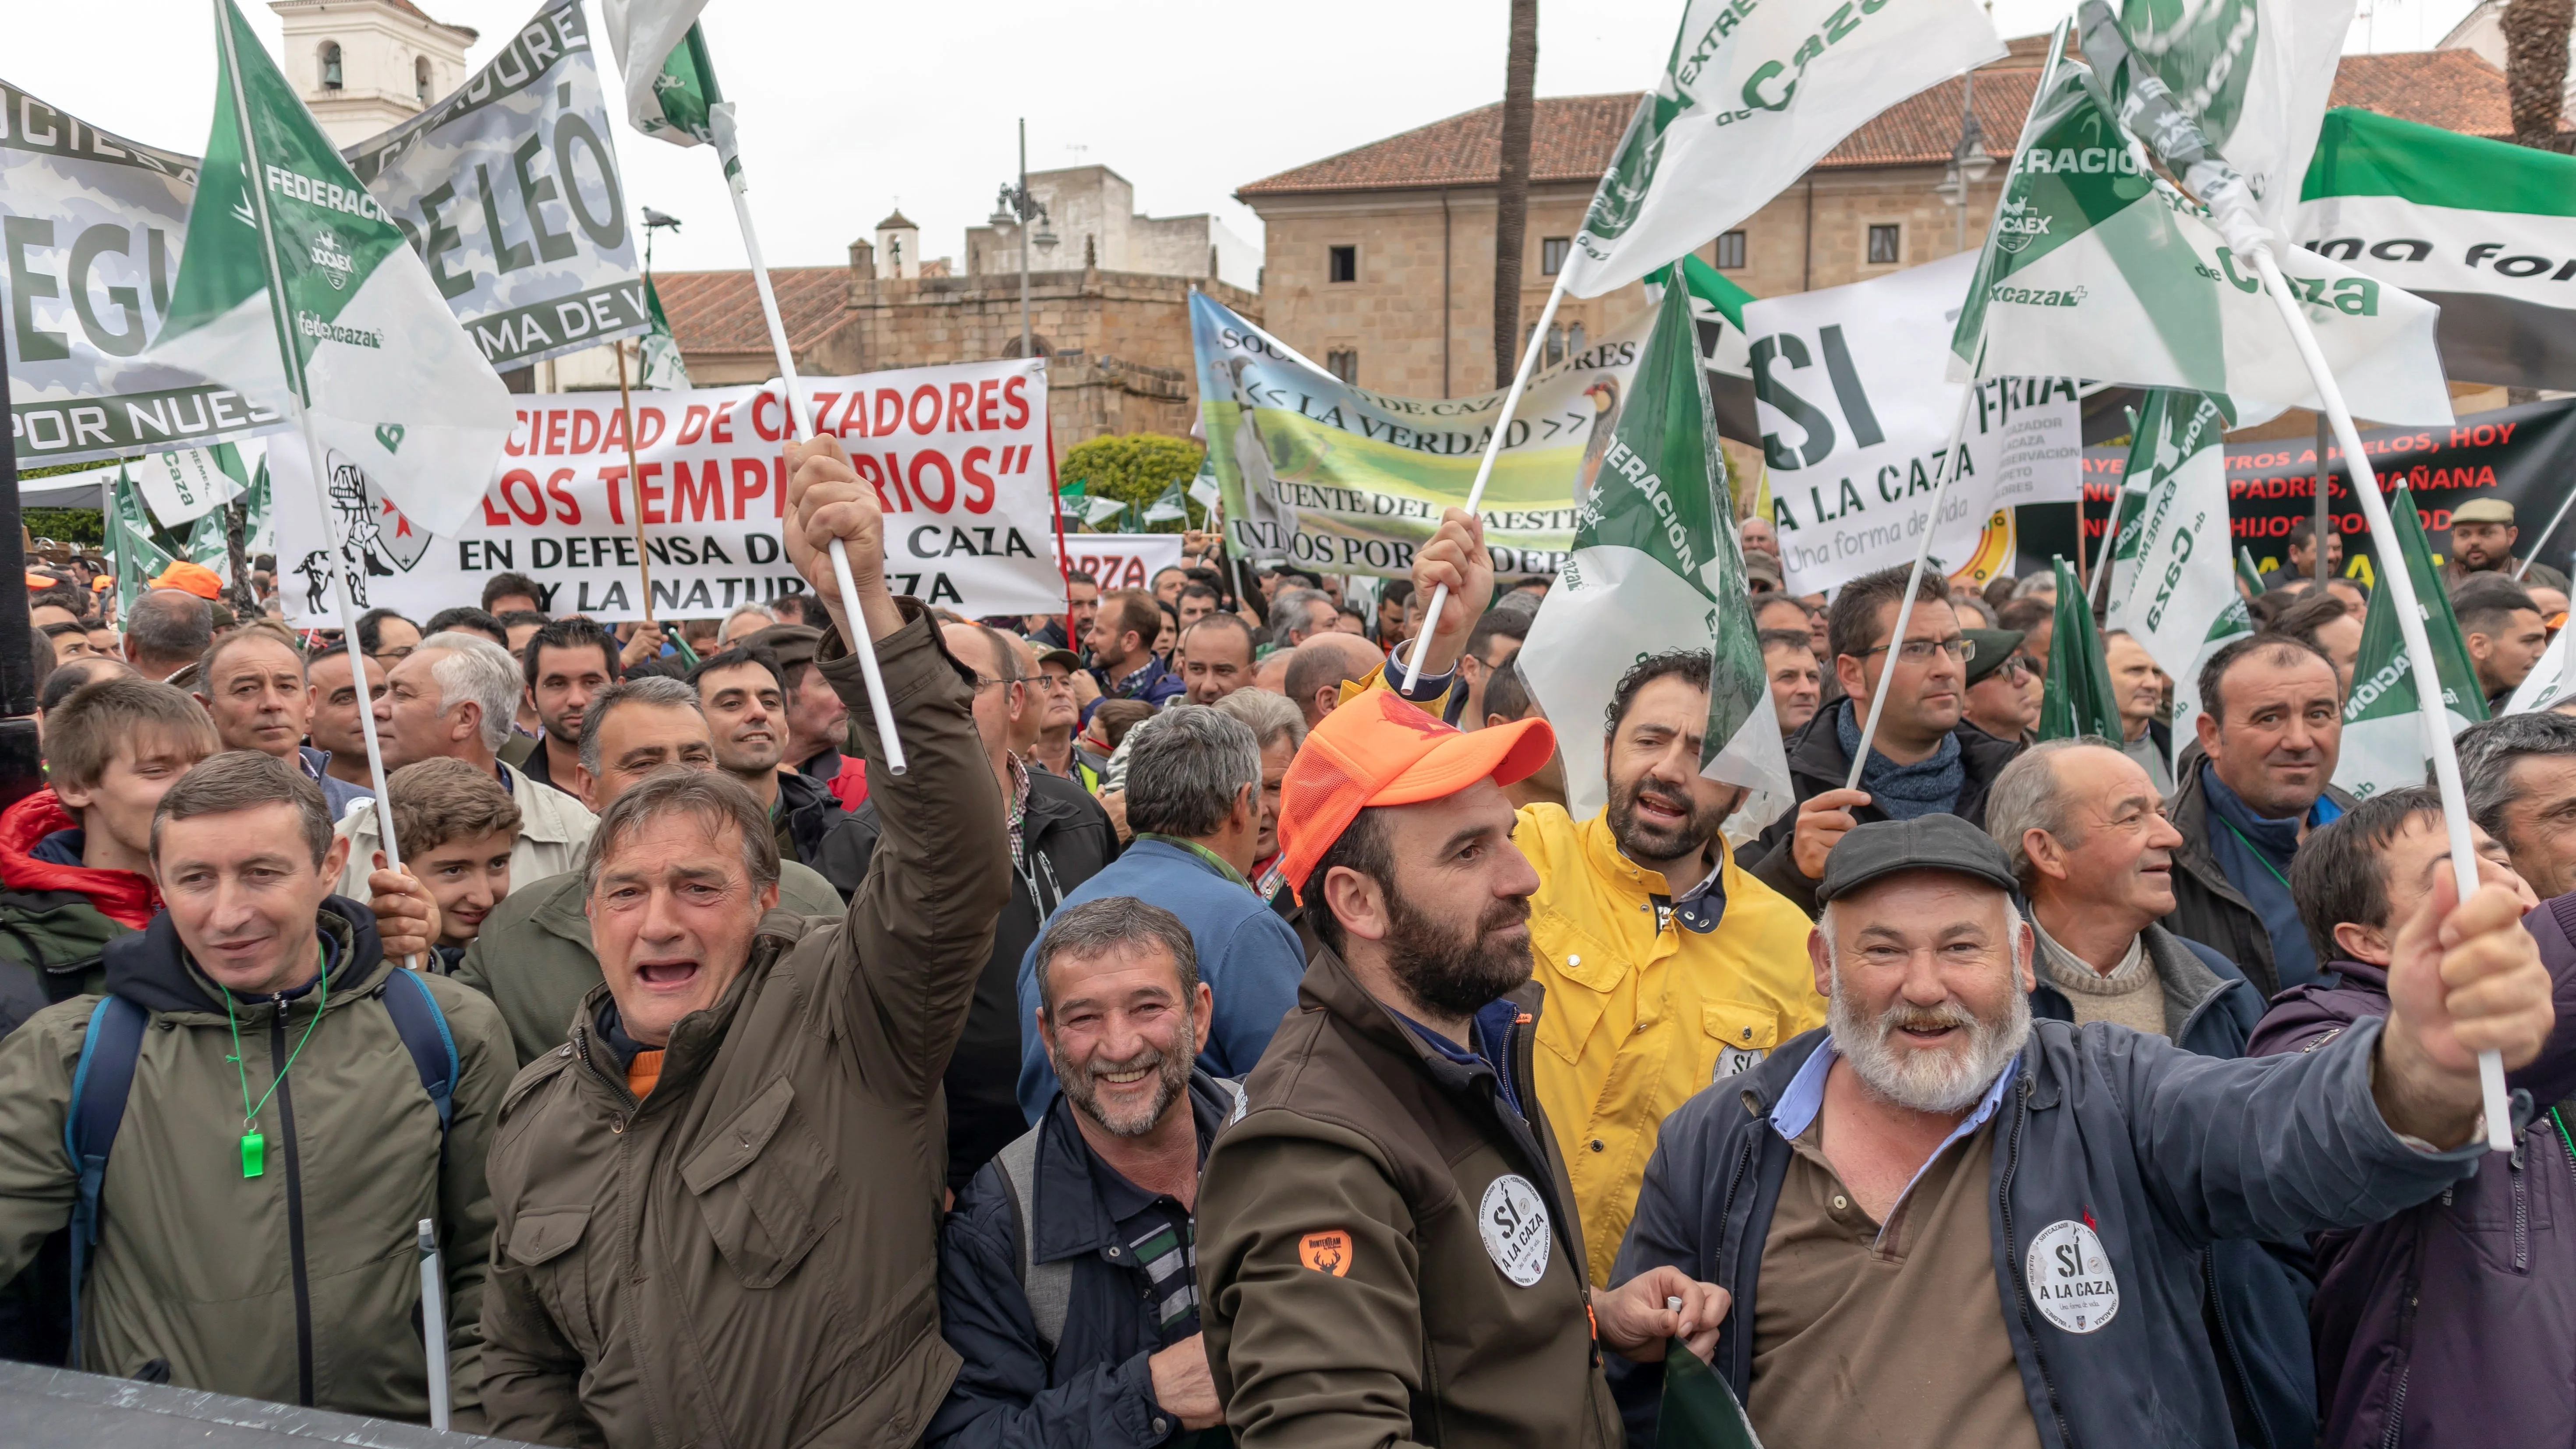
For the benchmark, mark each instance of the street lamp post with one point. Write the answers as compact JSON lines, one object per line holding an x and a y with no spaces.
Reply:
{"x":1969,"y":162}
{"x":1016,"y":208}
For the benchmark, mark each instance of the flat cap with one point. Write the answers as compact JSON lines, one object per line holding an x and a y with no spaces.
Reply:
{"x":1883,"y":848}
{"x":794,"y":644}
{"x":2483,"y":510}
{"x":1994,"y":646}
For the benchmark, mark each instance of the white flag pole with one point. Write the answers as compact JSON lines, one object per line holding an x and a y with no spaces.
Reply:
{"x":2555,"y":519}
{"x":2419,"y":648}
{"x":433,"y":1322}
{"x":1949,"y":465}
{"x":254,"y":171}
{"x":721,"y":122}
{"x":1485,"y":466}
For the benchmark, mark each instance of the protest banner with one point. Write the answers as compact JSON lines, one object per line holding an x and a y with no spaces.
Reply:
{"x":2523,"y":455}
{"x":957,"y":456}
{"x":1856,"y":417}
{"x":1121,"y":560}
{"x":509,"y":190}
{"x":1331,"y":475}
{"x":95,"y":225}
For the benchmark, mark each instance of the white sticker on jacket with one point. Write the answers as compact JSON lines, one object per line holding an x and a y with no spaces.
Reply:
{"x":1513,"y":1221}
{"x":2070,"y":1277}
{"x":1735,"y":1061}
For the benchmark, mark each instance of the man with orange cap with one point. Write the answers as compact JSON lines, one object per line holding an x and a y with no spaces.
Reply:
{"x":1388,"y":1248}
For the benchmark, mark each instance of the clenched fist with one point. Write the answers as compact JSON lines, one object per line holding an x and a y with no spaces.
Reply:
{"x":827,"y":502}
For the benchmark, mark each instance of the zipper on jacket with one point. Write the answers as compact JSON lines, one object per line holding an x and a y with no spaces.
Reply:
{"x":2012,"y":1246}
{"x":1740,"y":1362}
{"x":2521,"y":1212}
{"x":2227,"y":1340}
{"x":277,"y":1056}
{"x":2396,"y":1409}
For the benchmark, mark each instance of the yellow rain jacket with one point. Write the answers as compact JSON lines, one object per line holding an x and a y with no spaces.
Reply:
{"x":1639,"y":1014}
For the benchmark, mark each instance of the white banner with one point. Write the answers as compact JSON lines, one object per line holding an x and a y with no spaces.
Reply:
{"x":1122,"y":560}
{"x":1856,"y":414}
{"x":509,"y":191}
{"x":957,"y":455}
{"x":184,"y":486}
{"x":91,"y":227}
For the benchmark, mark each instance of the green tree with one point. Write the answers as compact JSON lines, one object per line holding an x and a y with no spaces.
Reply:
{"x":1136,"y":468}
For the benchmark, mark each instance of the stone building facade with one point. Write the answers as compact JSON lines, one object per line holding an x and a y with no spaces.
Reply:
{"x":1379,"y":261}
{"x":1091,"y":212}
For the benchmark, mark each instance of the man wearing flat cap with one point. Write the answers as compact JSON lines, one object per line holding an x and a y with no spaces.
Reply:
{"x":2002,"y":1222}
{"x":2482,"y":540}
{"x":1387,"y":1246}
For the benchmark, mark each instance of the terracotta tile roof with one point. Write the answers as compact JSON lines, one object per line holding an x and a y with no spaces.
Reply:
{"x":1575,"y":136}
{"x":1571,"y":139}
{"x":720,"y":311}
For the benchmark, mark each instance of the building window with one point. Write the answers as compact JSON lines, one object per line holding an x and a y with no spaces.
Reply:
{"x":1885,"y":249}
{"x":1555,"y":342}
{"x":1343,"y":362}
{"x":1574,"y":340}
{"x":420,"y":80}
{"x":1730,"y":251}
{"x":1345,"y":264}
{"x":1551,"y":255}
{"x":330,"y":65}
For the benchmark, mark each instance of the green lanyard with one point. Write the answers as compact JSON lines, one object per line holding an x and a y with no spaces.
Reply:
{"x":254,"y":1144}
{"x":2255,"y":851}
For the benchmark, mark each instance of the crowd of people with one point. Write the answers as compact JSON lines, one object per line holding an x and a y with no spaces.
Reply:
{"x":1210,"y":1038}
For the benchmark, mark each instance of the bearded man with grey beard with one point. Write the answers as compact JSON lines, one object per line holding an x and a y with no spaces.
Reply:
{"x":1995,"y":1229}
{"x":1066,"y":1270}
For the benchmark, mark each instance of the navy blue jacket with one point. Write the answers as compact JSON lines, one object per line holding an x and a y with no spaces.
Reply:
{"x":2158,"y":1151}
{"x":2258,"y":1293}
{"x":1094,"y":1391}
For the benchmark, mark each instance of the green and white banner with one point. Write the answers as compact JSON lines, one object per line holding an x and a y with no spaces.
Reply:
{"x":1751,"y":96}
{"x":92,"y":227}
{"x":1348,"y":480}
{"x":1656,"y":568}
{"x":2550,"y":681}
{"x":2383,"y":724}
{"x":671,"y":92}
{"x":2173,"y":584}
{"x":391,"y":390}
{"x":2098,"y":269}
{"x":2252,"y":74}
{"x":509,"y":190}
{"x":2483,"y":229}
{"x":1856,"y":418}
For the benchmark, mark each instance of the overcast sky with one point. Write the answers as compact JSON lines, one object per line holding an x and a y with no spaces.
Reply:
{"x":849,"y":108}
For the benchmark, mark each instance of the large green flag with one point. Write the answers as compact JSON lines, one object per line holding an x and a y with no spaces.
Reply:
{"x":1699,"y":1410}
{"x":1657,"y":569}
{"x":2383,"y":727}
{"x":2077,"y":698}
{"x":2172,"y":586}
{"x":297,"y":289}
{"x":671,"y":91}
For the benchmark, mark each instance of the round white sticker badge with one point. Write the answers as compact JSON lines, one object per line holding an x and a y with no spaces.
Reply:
{"x":2070,"y":1277}
{"x":1513,"y":1220}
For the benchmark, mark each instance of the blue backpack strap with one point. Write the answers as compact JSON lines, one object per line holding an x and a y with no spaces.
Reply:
{"x":99,"y":1088}
{"x":425,"y":1035}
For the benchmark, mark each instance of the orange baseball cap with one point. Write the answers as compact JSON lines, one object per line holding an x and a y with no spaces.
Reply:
{"x":196,"y":579}
{"x":1377,"y":749}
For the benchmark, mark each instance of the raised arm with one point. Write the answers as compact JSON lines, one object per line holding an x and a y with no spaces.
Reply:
{"x":921,"y":922}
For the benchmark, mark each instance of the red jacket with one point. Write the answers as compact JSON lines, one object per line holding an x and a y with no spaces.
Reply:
{"x":120,"y":895}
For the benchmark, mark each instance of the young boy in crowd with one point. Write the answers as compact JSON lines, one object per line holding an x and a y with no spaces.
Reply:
{"x":456,"y":826}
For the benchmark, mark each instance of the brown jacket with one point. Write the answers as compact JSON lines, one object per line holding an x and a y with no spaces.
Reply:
{"x":1358,"y":1228}
{"x":747,"y":1258}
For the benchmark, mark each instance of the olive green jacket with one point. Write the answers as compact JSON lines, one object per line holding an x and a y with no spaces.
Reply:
{"x":301,"y":1285}
{"x":533,"y":955}
{"x":748,"y":1256}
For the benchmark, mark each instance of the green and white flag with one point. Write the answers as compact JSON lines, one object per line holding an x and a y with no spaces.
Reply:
{"x":2097,"y":268}
{"x":138,"y":558}
{"x":658,"y":358}
{"x":304,"y":290}
{"x":1167,"y":506}
{"x":2077,"y":698}
{"x":207,"y":544}
{"x":2383,"y":726}
{"x":2480,"y":228}
{"x":1656,"y":568}
{"x":2253,"y":74}
{"x":671,"y":92}
{"x":1751,"y":96}
{"x":509,"y":189}
{"x":2173,"y":585}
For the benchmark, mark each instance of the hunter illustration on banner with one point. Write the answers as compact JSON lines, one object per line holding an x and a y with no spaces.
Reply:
{"x":2172,"y":580}
{"x":307,"y":299}
{"x":1657,"y":568}
{"x":509,"y":188}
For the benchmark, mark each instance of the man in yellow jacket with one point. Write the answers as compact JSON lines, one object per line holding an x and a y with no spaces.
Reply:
{"x":1667,"y":968}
